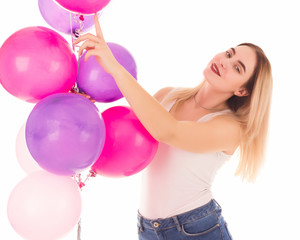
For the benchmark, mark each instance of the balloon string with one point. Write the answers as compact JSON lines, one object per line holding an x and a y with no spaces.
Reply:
{"x":79,"y":230}
{"x":74,"y":36}
{"x":77,"y":32}
{"x":71,"y":27}
{"x":81,"y":184}
{"x":80,"y":20}
{"x":77,"y":177}
{"x":79,"y":181}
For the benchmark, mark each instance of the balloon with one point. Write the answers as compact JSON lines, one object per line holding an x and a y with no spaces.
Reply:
{"x":65,"y":133}
{"x":44,"y":206}
{"x":128,"y":147}
{"x":101,"y":86}
{"x":60,"y":19}
{"x":83,"y":6}
{"x":36,"y":62}
{"x":24,"y":157}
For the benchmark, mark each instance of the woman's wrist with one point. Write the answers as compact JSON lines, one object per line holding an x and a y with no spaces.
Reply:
{"x":117,"y":70}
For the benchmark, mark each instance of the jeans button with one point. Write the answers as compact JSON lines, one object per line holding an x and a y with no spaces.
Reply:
{"x":156,"y":224}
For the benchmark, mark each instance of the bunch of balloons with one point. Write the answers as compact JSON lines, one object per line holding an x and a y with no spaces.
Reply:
{"x":65,"y":133}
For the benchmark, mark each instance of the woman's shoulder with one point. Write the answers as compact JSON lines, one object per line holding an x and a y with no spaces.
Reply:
{"x":160,"y":94}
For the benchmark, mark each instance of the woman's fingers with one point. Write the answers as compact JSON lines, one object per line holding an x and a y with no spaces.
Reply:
{"x":90,"y":40}
{"x":85,"y":95}
{"x":97,"y":26}
{"x":90,"y":36}
{"x":92,"y":52}
{"x":87,"y":36}
{"x":87,"y":45}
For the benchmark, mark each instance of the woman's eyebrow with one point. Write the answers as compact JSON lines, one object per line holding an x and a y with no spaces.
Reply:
{"x":240,"y":62}
{"x":233,"y":50}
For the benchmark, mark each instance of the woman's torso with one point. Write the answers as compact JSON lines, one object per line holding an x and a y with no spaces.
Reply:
{"x":177,"y":181}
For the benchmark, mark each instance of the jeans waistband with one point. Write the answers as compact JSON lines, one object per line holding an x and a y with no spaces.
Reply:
{"x":163,"y":223}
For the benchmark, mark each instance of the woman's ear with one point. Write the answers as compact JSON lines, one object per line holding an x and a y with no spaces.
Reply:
{"x":242,"y":92}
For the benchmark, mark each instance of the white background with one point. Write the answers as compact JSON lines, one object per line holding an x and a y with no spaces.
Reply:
{"x":172,"y":41}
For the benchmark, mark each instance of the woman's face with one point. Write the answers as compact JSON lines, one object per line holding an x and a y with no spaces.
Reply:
{"x":228,"y":71}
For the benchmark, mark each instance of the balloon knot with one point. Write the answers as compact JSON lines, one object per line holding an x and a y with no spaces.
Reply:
{"x":81,"y":18}
{"x":75,"y":88}
{"x":93,"y":173}
{"x":81,"y":185}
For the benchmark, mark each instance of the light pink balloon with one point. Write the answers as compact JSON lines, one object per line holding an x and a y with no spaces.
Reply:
{"x":44,"y":206}
{"x":26,"y":161}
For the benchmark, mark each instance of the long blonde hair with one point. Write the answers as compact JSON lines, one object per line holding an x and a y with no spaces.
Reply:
{"x":252,"y":112}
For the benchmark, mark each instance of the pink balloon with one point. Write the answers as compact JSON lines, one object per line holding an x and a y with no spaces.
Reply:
{"x":60,"y":19}
{"x":128,"y":147}
{"x":83,"y":6}
{"x":44,"y":206}
{"x":26,"y":161}
{"x":36,"y":62}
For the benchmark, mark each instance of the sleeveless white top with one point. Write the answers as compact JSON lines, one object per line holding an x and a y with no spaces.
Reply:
{"x":177,"y":181}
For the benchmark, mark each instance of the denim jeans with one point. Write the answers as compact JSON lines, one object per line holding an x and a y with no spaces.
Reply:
{"x":203,"y":223}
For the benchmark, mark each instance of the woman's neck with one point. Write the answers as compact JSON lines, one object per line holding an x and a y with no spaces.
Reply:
{"x":210,"y":100}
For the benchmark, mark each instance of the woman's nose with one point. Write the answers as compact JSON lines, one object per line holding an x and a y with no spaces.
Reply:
{"x":224,"y":63}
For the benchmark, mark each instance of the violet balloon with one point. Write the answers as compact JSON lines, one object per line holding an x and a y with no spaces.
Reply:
{"x":83,"y":6}
{"x":128,"y":147}
{"x":60,"y":19}
{"x":65,"y":133}
{"x":101,"y":86}
{"x":36,"y":62}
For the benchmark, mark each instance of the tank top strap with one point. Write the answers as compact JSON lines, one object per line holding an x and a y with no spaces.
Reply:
{"x":168,"y":105}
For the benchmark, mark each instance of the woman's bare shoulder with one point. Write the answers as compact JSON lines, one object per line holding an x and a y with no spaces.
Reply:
{"x":160,"y":94}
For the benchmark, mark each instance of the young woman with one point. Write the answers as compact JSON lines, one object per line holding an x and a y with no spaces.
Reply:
{"x":198,"y":130}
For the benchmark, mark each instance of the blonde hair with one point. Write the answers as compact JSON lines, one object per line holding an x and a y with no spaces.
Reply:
{"x":252,"y":112}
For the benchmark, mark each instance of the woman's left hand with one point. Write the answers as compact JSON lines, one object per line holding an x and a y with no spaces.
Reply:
{"x":97,"y":47}
{"x":83,"y":94}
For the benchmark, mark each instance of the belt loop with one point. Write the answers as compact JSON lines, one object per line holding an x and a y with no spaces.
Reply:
{"x":175,"y":219}
{"x":217,"y":204}
{"x":141,"y":223}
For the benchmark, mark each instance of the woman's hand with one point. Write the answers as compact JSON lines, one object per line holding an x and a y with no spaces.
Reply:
{"x":155,"y":118}
{"x":97,"y":47}
{"x":84,"y":95}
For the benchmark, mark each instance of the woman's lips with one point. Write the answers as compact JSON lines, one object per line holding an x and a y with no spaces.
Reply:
{"x":215,"y":69}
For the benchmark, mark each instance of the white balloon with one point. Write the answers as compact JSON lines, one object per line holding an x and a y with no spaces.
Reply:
{"x":26,"y":161}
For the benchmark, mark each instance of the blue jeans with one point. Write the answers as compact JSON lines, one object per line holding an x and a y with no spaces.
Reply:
{"x":203,"y":223}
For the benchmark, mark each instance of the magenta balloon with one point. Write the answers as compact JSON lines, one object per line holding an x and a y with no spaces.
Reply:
{"x":128,"y":147}
{"x":36,"y":62}
{"x":101,"y":86}
{"x":65,"y":133}
{"x":60,"y":19}
{"x":83,"y":6}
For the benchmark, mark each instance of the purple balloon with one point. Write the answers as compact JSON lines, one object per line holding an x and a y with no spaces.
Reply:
{"x":60,"y":19}
{"x":65,"y":133}
{"x":101,"y":86}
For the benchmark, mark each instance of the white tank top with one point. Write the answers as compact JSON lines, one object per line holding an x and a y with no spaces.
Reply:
{"x":177,"y":181}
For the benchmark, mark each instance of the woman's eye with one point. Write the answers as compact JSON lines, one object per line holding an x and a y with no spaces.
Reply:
{"x":228,"y":54}
{"x":238,"y":69}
